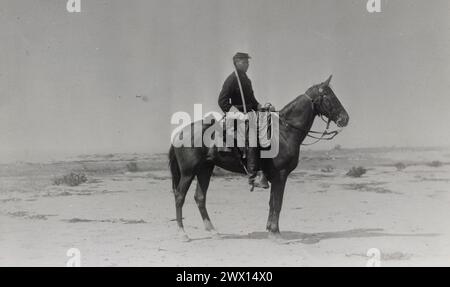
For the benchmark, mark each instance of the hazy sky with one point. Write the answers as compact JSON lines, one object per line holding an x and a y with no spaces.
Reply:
{"x":74,"y":83}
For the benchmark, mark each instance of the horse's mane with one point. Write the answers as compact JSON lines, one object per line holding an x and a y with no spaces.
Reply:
{"x":289,"y":107}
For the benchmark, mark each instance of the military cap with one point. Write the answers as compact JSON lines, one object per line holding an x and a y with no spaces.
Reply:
{"x":240,"y":55}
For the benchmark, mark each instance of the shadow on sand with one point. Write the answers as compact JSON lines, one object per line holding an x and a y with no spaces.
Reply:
{"x":291,"y":237}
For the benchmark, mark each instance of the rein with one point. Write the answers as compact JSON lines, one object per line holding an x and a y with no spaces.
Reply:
{"x":323,"y":135}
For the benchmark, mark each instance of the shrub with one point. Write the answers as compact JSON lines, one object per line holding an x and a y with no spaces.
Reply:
{"x":71,"y":179}
{"x":327,"y":168}
{"x":132,"y":166}
{"x":400,"y":166}
{"x":356,"y":171}
{"x":435,"y":163}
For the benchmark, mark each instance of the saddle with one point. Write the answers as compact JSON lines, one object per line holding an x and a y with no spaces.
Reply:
{"x":261,"y":127}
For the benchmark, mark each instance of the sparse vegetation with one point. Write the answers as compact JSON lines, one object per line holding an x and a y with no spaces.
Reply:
{"x":368,"y":187}
{"x":120,"y":220}
{"x":132,"y":166}
{"x":71,"y":179}
{"x":400,"y":166}
{"x":327,"y":169}
{"x":435,"y":163}
{"x":356,"y":171}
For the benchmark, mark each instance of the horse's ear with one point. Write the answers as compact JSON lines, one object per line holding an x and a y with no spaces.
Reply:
{"x":327,"y":82}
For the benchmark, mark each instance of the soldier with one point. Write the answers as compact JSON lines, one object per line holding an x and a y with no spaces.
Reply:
{"x":230,"y":100}
{"x":230,"y":96}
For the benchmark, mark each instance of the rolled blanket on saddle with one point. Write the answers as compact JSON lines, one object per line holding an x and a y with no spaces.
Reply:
{"x":254,"y":130}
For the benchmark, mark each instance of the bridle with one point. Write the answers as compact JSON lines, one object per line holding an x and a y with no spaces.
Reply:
{"x":325,"y":135}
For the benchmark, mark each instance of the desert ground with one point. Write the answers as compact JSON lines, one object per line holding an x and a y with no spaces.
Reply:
{"x":123,"y":215}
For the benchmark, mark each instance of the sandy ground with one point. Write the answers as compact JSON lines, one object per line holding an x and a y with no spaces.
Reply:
{"x":121,"y":218}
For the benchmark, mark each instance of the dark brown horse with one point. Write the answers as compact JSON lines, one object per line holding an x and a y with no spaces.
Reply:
{"x":296,"y":119}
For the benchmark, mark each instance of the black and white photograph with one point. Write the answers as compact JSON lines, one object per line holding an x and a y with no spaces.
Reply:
{"x":224,"y":133}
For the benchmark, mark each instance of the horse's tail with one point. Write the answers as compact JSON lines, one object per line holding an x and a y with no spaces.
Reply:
{"x":174,"y":168}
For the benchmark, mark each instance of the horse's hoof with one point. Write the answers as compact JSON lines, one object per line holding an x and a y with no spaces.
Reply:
{"x":276,"y":237}
{"x":184,"y":238}
{"x":215,"y":235}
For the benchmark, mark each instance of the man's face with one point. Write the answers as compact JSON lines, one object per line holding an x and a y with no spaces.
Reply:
{"x":242,"y":65}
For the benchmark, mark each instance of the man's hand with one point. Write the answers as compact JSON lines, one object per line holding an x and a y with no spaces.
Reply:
{"x":234,"y":113}
{"x":268,"y":108}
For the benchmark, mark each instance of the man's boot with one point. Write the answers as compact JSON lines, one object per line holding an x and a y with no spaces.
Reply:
{"x":263,"y":183}
{"x":252,"y":165}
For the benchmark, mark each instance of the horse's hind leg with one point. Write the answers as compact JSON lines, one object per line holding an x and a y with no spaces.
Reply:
{"x":203,"y":178}
{"x":180,"y":195}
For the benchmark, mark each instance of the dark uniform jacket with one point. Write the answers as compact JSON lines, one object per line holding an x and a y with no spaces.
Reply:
{"x":231,"y":95}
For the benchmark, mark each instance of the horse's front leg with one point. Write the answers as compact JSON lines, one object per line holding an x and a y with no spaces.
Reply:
{"x":276,"y":202}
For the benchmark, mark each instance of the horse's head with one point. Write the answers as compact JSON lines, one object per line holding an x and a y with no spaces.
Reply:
{"x":327,"y":104}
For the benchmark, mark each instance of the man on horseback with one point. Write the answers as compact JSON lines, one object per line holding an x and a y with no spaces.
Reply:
{"x":237,"y":96}
{"x":297,"y":117}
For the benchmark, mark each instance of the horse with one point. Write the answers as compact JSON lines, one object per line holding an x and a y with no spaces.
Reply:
{"x":296,"y":119}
